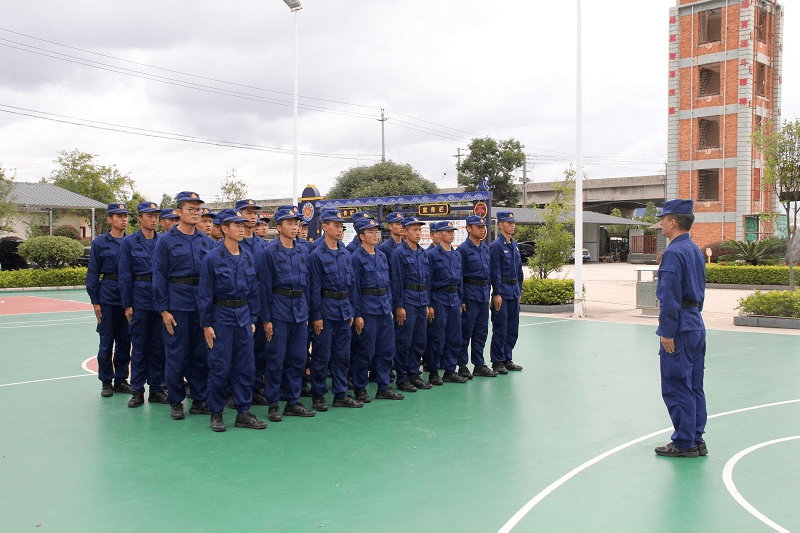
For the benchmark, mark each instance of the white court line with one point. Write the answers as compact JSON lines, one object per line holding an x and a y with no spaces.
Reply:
{"x":85,"y":366}
{"x":541,"y":323}
{"x":727,"y":477}
{"x":514,"y":520}
{"x":48,"y":379}
{"x":53,"y":321}
{"x":50,"y":325}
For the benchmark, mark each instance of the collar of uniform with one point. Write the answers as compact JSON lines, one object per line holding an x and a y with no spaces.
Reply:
{"x":327,"y":249}
{"x":405,"y":245}
{"x":504,"y":240}
{"x":681,"y":237}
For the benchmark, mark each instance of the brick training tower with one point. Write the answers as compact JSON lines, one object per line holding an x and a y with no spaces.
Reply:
{"x":724,"y":82}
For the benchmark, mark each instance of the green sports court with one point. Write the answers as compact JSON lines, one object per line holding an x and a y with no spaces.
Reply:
{"x":565,"y":445}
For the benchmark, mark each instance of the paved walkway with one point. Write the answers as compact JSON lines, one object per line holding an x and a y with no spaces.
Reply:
{"x":611,"y":297}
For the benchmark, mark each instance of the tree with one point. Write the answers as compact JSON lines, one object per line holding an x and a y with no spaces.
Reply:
{"x":554,"y":239}
{"x":754,"y":253}
{"x":231,"y":189}
{"x":7,"y":205}
{"x":381,"y":179}
{"x":781,"y":152}
{"x":78,"y":172}
{"x":497,"y":160}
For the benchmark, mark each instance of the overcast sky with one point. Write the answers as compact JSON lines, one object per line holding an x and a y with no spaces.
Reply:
{"x":223,"y":72}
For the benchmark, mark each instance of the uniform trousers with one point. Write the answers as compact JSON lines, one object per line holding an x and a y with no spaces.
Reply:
{"x":232,"y":359}
{"x":286,"y":360}
{"x":374,"y":347}
{"x":114,"y":338}
{"x":331,"y":346}
{"x":474,"y":330}
{"x":147,"y":350}
{"x":682,"y":387}
{"x":260,"y":358}
{"x":444,"y":337}
{"x":186,"y":356}
{"x":410,"y":340}
{"x":505,"y":330}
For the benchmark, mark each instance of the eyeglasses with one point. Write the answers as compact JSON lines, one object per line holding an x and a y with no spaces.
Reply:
{"x":194,"y":210}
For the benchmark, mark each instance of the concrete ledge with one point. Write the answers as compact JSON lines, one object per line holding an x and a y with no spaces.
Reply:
{"x":747,"y":287}
{"x":756,"y":321}
{"x":565,"y":308}
{"x":37,"y":289}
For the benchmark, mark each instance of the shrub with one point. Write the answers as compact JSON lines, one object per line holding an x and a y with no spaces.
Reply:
{"x":773,"y":303}
{"x":755,"y":252}
{"x":67,"y":230}
{"x":547,"y":291}
{"x":747,"y":274}
{"x":52,"y":252}
{"x":56,"y":277}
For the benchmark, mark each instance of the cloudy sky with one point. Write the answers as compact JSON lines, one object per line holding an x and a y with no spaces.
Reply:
{"x":216,"y":74}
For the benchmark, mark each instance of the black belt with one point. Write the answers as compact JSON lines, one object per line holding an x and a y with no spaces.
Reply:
{"x":373,"y":292}
{"x":418,"y":288}
{"x":476,"y":281}
{"x":146,"y":277}
{"x":289,"y":293}
{"x":337,"y":295}
{"x":189,"y":280}
{"x":690,"y":304}
{"x":448,"y":288}
{"x":233,"y":304}
{"x":112,"y":277}
{"x":510,"y":281}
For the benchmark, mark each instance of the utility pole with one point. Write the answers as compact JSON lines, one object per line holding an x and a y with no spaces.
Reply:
{"x":525,"y":180}
{"x":458,"y":166}
{"x":383,"y":120}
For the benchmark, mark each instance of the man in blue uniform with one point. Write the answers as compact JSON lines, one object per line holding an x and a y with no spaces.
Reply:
{"x":229,"y":306}
{"x":176,"y":275}
{"x":681,"y":292}
{"x":146,"y":327}
{"x":168,"y":219}
{"x":395,"y":224}
{"x":206,"y":223}
{"x":356,"y":242}
{"x":331,"y":274}
{"x":446,"y":296}
{"x":434,"y":235}
{"x":216,"y":232}
{"x":475,"y":265}
{"x":411,"y":301}
{"x":254,"y":244}
{"x":102,"y":284}
{"x":506,"y":279}
{"x":434,"y":231}
{"x":301,"y":239}
{"x":374,"y":344}
{"x":283,"y":271}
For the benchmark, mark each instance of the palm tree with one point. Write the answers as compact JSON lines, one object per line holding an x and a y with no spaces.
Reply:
{"x":754,"y":252}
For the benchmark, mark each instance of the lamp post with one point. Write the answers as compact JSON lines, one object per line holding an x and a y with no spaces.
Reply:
{"x":295,"y":6}
{"x":578,"y":254}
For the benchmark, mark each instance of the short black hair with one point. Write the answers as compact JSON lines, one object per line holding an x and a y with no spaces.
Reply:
{"x":684,"y":221}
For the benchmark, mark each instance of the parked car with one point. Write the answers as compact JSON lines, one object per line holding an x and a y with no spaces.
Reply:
{"x":526,"y":250}
{"x":571,"y":255}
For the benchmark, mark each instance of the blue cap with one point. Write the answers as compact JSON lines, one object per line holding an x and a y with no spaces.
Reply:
{"x":434,"y":226}
{"x":147,"y":207}
{"x":206,"y":212}
{"x":230,"y":215}
{"x":476,"y":220}
{"x":332,"y":215}
{"x":410,"y":221}
{"x":216,"y":221}
{"x":505,"y":216}
{"x":247,"y":202}
{"x":358,"y":215}
{"x":304,"y":222}
{"x":264,"y":219}
{"x":677,"y":207}
{"x":188,"y":196}
{"x":287,"y":212}
{"x":445,"y":226}
{"x":394,"y":217}
{"x":169,"y":213}
{"x":118,"y":209}
{"x":365,"y":223}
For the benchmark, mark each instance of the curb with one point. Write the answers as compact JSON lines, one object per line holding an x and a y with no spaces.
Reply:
{"x":747,"y":287}
{"x":565,"y":308}
{"x":37,"y":289}
{"x":757,"y":321}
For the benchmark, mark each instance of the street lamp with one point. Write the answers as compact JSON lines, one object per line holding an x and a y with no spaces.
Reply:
{"x":295,"y":6}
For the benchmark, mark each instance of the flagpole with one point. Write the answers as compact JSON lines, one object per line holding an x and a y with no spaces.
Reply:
{"x":578,"y":253}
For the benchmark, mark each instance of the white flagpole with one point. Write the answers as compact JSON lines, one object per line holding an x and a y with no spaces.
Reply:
{"x":578,"y":254}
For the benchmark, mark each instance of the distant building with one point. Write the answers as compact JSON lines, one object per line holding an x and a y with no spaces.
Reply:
{"x":725,"y":60}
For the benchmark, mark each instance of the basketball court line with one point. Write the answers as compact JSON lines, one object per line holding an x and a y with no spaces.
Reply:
{"x":53,"y":321}
{"x":46,"y":379}
{"x":87,"y":321}
{"x":727,"y":478}
{"x":541,"y":323}
{"x":514,"y":520}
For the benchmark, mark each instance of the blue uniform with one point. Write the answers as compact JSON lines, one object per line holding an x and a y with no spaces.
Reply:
{"x":475,"y":266}
{"x":372,"y":301}
{"x":147,"y":327}
{"x":331,"y":274}
{"x":505,"y":276}
{"x":283,"y":277}
{"x":410,"y":290}
{"x":388,"y":247}
{"x":228,"y":301}
{"x":255,"y":245}
{"x":103,"y":288}
{"x":305,"y":244}
{"x":176,"y":276}
{"x":681,"y":292}
{"x":446,"y":295}
{"x":353,"y":245}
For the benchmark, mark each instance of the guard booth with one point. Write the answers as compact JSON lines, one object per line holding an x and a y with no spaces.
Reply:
{"x":428,"y":207}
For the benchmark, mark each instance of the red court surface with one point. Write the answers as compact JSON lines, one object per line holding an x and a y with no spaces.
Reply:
{"x":24,"y":305}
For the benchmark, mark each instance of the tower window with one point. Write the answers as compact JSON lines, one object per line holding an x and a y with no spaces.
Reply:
{"x":708,"y":132}
{"x":708,"y":185}
{"x":762,"y":19}
{"x":710,"y":26}
{"x":709,"y":80}
{"x":761,"y":79}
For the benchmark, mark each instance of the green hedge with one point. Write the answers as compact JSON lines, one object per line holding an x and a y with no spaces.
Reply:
{"x":50,"y":251}
{"x":773,"y":303}
{"x":547,"y":291}
{"x":57,"y":277}
{"x":748,"y":275}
